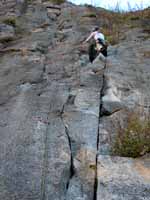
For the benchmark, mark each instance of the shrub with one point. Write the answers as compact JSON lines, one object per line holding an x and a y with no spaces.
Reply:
{"x":134,"y":139}
{"x":7,"y":40}
{"x":10,"y":21}
{"x":57,"y":1}
{"x":112,"y":35}
{"x":90,"y":15}
{"x":146,"y":54}
{"x":88,"y":5}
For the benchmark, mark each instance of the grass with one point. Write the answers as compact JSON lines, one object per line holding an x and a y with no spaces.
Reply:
{"x":114,"y":24}
{"x":91,"y":15}
{"x":112,"y":35}
{"x":134,"y":139}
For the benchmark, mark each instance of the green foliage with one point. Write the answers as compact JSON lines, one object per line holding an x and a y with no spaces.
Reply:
{"x":10,"y":21}
{"x":111,"y":36}
{"x":146,"y":54}
{"x":134,"y":140}
{"x":88,"y":5}
{"x":6,"y":40}
{"x":57,"y":1}
{"x":134,"y":17}
{"x":91,"y":15}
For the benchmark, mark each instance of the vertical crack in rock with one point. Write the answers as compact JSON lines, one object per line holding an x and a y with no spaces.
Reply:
{"x":45,"y":164}
{"x":71,"y":161}
{"x":100,"y":115}
{"x":70,"y":146}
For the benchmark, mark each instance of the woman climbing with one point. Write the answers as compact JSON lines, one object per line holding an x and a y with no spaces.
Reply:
{"x":99,"y":45}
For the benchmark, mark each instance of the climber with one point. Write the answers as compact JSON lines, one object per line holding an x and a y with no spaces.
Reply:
{"x":99,"y":46}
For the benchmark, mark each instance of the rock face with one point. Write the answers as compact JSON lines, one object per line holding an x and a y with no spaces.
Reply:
{"x":12,"y":7}
{"x":123,"y":178}
{"x":6,"y":32}
{"x":57,"y":116}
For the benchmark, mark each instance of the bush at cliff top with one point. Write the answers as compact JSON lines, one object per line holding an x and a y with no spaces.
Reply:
{"x":133,"y":140}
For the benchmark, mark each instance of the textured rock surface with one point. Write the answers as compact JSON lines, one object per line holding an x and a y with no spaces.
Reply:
{"x":58,"y":113}
{"x":6,"y":32}
{"x":123,"y":178}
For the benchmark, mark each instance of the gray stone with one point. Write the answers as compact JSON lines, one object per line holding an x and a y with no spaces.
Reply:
{"x":109,"y":127}
{"x":129,"y":82}
{"x":123,"y":178}
{"x":19,"y":69}
{"x":111,"y":103}
{"x":53,"y":131}
{"x":81,"y":130}
{"x":6,"y":33}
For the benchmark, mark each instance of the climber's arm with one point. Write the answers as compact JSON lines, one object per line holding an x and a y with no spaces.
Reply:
{"x":90,"y":36}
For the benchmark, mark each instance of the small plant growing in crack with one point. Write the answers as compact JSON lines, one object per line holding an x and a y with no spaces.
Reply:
{"x":134,"y":139}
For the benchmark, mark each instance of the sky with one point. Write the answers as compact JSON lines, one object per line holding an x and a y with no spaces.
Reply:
{"x":111,"y":4}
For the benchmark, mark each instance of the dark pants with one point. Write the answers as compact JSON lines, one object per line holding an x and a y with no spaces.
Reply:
{"x":93,"y":53}
{"x":104,"y":48}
